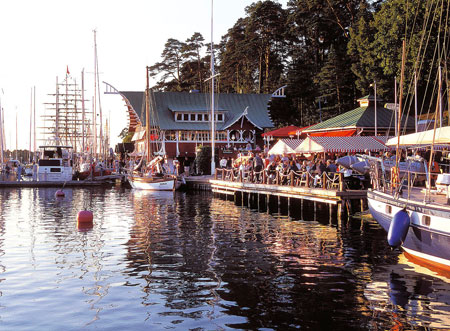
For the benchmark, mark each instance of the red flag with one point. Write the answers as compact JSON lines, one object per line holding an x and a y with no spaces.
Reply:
{"x":68,"y":70}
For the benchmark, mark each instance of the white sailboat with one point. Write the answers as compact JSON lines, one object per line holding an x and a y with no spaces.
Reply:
{"x":417,"y":219}
{"x":151,"y":176}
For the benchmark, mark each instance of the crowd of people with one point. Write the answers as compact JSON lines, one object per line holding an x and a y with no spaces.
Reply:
{"x":253,"y":164}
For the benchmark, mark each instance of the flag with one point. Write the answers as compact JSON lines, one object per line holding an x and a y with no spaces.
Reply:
{"x":68,"y":72}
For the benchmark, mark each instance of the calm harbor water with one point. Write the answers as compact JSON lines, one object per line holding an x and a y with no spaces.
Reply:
{"x":191,"y":261}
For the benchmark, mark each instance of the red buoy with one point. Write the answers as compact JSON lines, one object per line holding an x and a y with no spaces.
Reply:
{"x":59,"y":193}
{"x":85,"y":219}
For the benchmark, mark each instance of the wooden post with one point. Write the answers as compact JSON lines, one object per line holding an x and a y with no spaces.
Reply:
{"x":264,"y":177}
{"x":341,"y":182}
{"x":292,"y":178}
{"x":330,"y":210}
{"x":324,"y":180}
{"x":307,"y":179}
{"x":301,"y":210}
{"x":289,"y":206}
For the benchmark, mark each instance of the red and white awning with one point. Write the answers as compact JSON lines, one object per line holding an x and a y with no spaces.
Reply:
{"x":340,"y":144}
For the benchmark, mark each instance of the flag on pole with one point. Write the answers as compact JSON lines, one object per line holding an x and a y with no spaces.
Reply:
{"x":68,"y":72}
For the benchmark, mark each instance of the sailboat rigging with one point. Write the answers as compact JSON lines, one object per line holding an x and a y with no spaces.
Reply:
{"x":416,"y":218}
{"x":150,"y":175}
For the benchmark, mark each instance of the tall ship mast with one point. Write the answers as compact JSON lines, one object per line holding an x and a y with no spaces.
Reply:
{"x":66,"y":119}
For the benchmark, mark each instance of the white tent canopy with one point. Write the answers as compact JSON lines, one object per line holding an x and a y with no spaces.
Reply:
{"x":340,"y":144}
{"x":442,"y":136}
{"x":285,"y":146}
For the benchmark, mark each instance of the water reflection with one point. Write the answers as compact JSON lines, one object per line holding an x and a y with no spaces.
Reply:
{"x":185,"y":261}
{"x":408,"y":294}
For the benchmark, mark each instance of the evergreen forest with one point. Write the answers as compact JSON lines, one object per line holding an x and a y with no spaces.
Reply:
{"x":328,"y":53}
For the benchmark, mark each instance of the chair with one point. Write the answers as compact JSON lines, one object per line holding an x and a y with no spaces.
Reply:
{"x":333,"y":183}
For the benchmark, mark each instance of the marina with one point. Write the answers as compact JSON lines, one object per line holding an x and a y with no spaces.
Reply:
{"x":290,"y":170}
{"x":189,"y":260}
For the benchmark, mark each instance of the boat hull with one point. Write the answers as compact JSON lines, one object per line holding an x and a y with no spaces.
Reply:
{"x":428,"y":237}
{"x":152,"y":184}
{"x":54,"y":174}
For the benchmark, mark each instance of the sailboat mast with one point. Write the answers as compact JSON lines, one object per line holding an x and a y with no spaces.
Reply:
{"x":31,"y":122}
{"x":57,"y":110}
{"x":34,"y":121}
{"x":400,"y":104}
{"x":94,"y":127}
{"x":2,"y":136}
{"x":97,"y":90}
{"x":213,"y":122}
{"x":147,"y":115}
{"x":17,"y":145}
{"x":82,"y":113}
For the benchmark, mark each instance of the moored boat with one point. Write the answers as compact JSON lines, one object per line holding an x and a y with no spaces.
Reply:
{"x":54,"y":165}
{"x":151,"y":176}
{"x":164,"y":183}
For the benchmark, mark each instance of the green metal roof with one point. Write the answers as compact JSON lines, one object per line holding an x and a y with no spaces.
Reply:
{"x":361,"y":117}
{"x":231,"y":105}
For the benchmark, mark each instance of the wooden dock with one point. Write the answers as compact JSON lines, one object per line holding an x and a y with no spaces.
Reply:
{"x":329,"y":190}
{"x":329,"y":196}
{"x":99,"y":181}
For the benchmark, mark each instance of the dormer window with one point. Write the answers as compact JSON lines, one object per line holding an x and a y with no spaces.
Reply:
{"x":197,"y":117}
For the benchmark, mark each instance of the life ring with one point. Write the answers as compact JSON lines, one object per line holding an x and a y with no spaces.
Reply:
{"x":394,"y":176}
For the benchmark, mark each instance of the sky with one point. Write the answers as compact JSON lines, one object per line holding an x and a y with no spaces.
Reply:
{"x":40,"y":39}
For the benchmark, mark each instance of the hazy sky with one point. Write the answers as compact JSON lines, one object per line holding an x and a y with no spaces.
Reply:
{"x":40,"y":38}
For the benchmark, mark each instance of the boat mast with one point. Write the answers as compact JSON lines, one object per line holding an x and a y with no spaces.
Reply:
{"x":2,"y":136}
{"x":400,"y":104}
{"x":57,"y":110}
{"x":17,"y":147}
{"x":31,"y":122}
{"x":213,"y":122}
{"x":82,"y":113}
{"x":97,"y":90}
{"x":430,"y":162}
{"x":34,"y":122}
{"x":147,"y":116}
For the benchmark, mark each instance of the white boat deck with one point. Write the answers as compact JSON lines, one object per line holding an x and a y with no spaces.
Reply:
{"x":418,"y":194}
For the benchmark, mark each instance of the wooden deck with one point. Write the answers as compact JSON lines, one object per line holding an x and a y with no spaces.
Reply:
{"x":328,"y":188}
{"x":26,"y":182}
{"x":331,"y":196}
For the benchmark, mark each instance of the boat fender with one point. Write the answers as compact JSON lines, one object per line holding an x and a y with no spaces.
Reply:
{"x":85,"y":219}
{"x":398,"y":229}
{"x":59,"y":194}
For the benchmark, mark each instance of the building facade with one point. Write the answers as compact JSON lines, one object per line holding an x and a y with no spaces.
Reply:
{"x":184,"y":121}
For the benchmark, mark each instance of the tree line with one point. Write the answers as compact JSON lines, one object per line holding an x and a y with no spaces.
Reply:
{"x":328,"y":53}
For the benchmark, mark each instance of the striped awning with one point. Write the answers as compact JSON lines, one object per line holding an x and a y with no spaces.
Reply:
{"x":340,"y":144}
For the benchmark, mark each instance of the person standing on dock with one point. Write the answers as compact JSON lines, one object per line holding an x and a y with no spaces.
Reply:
{"x":34,"y":171}
{"x":258,"y":165}
{"x":19,"y":172}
